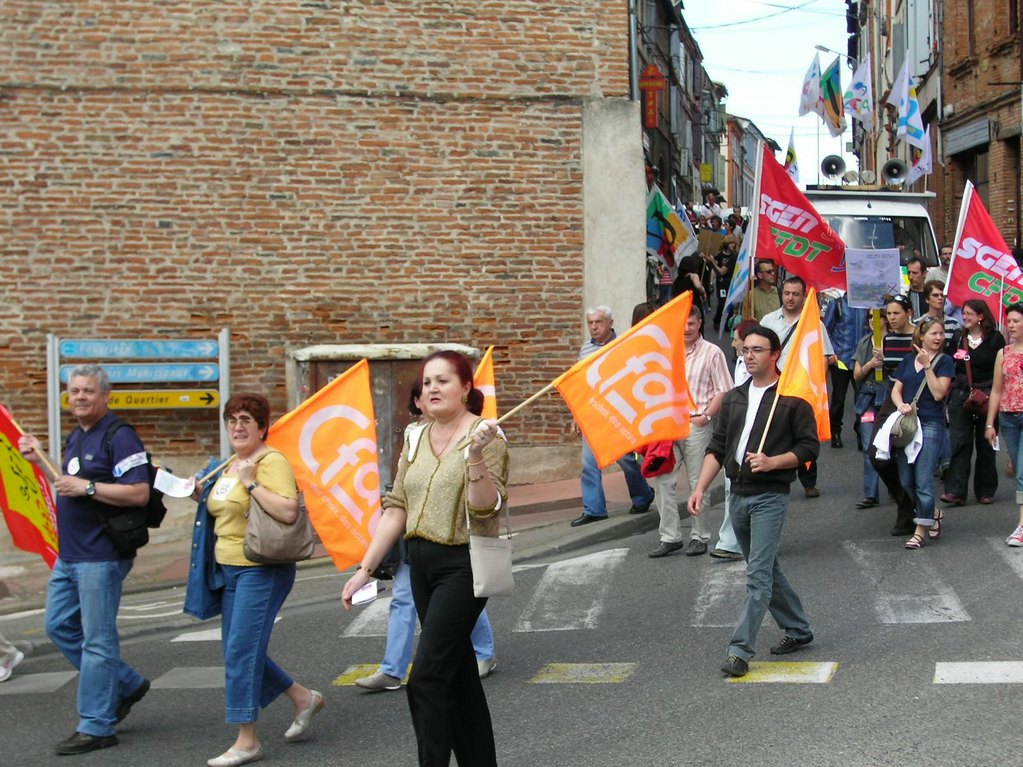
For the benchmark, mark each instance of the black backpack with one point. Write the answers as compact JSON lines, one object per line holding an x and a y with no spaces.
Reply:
{"x":154,"y":508}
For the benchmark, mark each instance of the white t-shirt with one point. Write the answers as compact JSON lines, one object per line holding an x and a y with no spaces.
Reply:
{"x":756,"y":395}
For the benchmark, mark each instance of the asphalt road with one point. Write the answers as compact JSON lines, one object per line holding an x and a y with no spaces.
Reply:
{"x":887,"y":623}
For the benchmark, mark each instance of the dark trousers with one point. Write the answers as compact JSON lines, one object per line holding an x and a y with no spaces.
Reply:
{"x":807,"y":476}
{"x":840,"y":380}
{"x":967,"y":432}
{"x":445,"y":695}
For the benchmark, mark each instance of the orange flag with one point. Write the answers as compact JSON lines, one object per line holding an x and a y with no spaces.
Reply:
{"x":484,"y":381}
{"x":331,"y":442}
{"x":633,"y":391}
{"x":806,"y":370}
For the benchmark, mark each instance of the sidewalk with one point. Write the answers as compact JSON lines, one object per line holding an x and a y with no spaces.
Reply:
{"x":540,"y":515}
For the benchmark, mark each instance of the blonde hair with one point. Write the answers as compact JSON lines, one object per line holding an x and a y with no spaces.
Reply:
{"x":925,"y":325}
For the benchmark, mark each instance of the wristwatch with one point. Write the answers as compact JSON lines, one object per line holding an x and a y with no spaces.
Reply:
{"x":251,"y":486}
{"x":90,"y":489}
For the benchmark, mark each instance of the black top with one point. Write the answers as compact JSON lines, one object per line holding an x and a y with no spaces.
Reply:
{"x":982,"y":360}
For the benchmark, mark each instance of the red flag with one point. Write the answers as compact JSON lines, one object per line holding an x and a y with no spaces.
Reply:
{"x":806,"y":371}
{"x":982,"y":264}
{"x":330,"y":440}
{"x":633,"y":391}
{"x":25,"y":496}
{"x":792,"y":233}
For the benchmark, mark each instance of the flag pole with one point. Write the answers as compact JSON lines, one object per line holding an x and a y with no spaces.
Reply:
{"x":465,"y":442}
{"x":49,"y":468}
{"x":754,"y":227}
{"x":214,"y":471}
{"x":960,"y":224}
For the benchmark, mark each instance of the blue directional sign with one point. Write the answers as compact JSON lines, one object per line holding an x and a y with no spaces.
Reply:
{"x":138,"y":348}
{"x":153,"y":373}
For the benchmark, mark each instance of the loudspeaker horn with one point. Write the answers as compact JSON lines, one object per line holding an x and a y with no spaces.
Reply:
{"x":894,"y":172}
{"x":833,"y":166}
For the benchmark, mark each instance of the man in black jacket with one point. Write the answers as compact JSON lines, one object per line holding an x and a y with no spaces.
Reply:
{"x":760,"y":476}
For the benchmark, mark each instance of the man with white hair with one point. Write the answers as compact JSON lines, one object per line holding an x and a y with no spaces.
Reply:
{"x":600,"y":321}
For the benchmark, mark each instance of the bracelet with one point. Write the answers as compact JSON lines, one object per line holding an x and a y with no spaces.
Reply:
{"x":474,"y":463}
{"x":475,"y":479}
{"x":989,"y":426}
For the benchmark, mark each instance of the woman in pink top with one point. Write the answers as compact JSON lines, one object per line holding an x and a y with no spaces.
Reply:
{"x":1005,"y":408}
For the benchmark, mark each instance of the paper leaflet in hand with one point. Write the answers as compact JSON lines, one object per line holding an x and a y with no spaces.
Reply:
{"x":366,"y":594}
{"x":175,"y":487}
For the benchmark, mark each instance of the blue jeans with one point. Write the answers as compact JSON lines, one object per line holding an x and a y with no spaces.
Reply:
{"x":758,"y":522}
{"x":594,"y":502}
{"x":401,"y":628}
{"x":252,"y":598}
{"x":871,"y":482}
{"x":1010,"y":426}
{"x":918,"y":477}
{"x":81,"y":620}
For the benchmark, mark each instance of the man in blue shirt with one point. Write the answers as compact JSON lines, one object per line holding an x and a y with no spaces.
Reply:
{"x":85,"y":587}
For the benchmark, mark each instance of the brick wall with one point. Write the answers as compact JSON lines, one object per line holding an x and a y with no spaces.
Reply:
{"x":302,"y":173}
{"x":993,"y":56}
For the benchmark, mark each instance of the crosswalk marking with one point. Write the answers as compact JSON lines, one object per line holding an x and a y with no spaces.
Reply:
{"x":787,"y":672}
{"x":22,"y":683}
{"x":979,"y":672}
{"x":1012,"y":556}
{"x":206,"y":635}
{"x":572,"y":593}
{"x":584,"y":673}
{"x":357,"y":671}
{"x":371,"y":621}
{"x":191,"y":678}
{"x":722,"y":591}
{"x":922,"y":595}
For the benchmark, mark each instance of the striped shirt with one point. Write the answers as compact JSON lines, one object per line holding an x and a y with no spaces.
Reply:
{"x":896,"y":346}
{"x":706,"y":373}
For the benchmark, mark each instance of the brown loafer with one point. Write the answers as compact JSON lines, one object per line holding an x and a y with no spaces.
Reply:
{"x":987,"y":500}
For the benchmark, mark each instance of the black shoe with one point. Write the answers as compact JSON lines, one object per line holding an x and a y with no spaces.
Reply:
{"x":125,"y":704}
{"x":80,"y":743}
{"x":867,"y":503}
{"x":585,"y":519}
{"x":903,"y":530}
{"x":812,"y":492}
{"x":836,"y":440}
{"x":790,"y":644}
{"x":665,"y":548}
{"x":733,"y":556}
{"x":695,"y":548}
{"x":642,"y":508}
{"x":735,"y":666}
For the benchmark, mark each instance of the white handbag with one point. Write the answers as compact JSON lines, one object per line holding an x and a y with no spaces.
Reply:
{"x":491,"y":560}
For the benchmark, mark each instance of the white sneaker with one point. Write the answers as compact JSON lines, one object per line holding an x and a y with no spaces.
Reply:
{"x":486,"y":667}
{"x":1016,"y":539}
{"x":378,"y":681}
{"x":6,"y":669}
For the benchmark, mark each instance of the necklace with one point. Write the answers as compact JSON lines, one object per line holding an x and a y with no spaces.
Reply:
{"x":447,"y":444}
{"x":974,"y":342}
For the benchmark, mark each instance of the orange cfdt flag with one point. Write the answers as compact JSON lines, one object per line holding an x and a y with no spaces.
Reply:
{"x":633,"y":391}
{"x":806,"y":370}
{"x":483,"y":379}
{"x":331,"y":442}
{"x":25,"y":496}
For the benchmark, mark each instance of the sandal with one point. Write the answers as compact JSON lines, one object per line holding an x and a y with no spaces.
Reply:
{"x":916,"y":541}
{"x":935,"y":531}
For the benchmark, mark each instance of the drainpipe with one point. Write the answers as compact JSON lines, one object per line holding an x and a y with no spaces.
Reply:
{"x":633,"y":54}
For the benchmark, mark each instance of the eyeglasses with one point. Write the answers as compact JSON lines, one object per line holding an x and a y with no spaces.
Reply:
{"x":747,"y":351}
{"x":243,"y":420}
{"x":937,"y":295}
{"x":767,"y":271}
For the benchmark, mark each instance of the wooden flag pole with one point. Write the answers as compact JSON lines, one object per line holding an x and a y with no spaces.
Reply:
{"x":49,"y":469}
{"x":214,"y":471}
{"x":465,"y":442}
{"x":770,"y":417}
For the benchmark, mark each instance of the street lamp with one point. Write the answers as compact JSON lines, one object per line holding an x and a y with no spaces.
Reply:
{"x":826,"y":49}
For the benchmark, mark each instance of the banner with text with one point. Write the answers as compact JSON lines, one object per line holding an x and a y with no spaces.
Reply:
{"x":25,"y":497}
{"x":331,"y":442}
{"x":792,"y":233}
{"x":633,"y":391}
{"x":982,"y":264}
